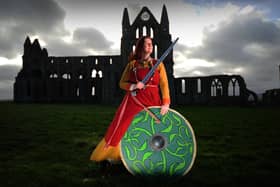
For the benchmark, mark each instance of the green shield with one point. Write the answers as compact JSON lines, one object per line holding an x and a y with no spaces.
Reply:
{"x":167,"y":148}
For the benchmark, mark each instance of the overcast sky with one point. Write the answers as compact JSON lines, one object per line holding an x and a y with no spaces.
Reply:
{"x":216,"y":37}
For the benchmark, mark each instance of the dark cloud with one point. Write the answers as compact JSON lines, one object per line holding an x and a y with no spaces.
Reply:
{"x":229,"y":41}
{"x":44,"y":19}
{"x":83,"y":42}
{"x":30,"y":17}
{"x":271,"y":7}
{"x":91,"y":38}
{"x":248,"y":42}
{"x":44,"y":15}
{"x":58,"y":47}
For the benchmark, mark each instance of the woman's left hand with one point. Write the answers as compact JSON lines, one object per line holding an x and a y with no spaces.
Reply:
{"x":164,"y":109}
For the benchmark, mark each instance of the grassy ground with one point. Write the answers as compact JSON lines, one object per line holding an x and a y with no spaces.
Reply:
{"x":50,"y":145}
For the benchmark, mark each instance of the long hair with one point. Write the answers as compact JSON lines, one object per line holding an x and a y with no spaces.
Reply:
{"x":137,"y":53}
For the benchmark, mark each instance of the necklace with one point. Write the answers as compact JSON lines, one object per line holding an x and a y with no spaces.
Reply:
{"x":145,"y":60}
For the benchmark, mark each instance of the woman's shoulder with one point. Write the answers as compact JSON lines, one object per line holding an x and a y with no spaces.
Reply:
{"x":131,"y":63}
{"x":160,"y":66}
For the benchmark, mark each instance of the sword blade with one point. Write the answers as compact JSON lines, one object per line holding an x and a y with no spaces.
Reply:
{"x":151,"y":72}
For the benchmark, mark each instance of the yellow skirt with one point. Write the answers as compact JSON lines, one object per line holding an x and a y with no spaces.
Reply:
{"x":101,"y":152}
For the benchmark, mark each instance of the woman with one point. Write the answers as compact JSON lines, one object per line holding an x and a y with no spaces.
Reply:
{"x":140,"y":62}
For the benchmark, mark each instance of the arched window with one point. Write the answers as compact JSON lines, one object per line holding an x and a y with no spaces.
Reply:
{"x":111,"y":61}
{"x":55,"y":76}
{"x":137,"y":33}
{"x":216,"y":88}
{"x":230,"y":88}
{"x":233,"y":87}
{"x":133,"y":48}
{"x":100,"y":74}
{"x":65,"y":76}
{"x":82,"y":60}
{"x":156,"y":52}
{"x":183,"y":84}
{"x":198,"y":85}
{"x":66,"y":61}
{"x":77,"y":92}
{"x":237,"y":89}
{"x":96,"y":61}
{"x":80,"y":76}
{"x":151,"y":32}
{"x":93,"y":73}
{"x":93,"y":91}
{"x":144,"y":31}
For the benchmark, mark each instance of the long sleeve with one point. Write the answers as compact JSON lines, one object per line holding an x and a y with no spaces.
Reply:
{"x":124,"y":81}
{"x":163,"y":83}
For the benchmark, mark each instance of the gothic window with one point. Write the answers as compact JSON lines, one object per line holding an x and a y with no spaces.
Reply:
{"x":183,"y":84}
{"x":66,"y":60}
{"x":93,"y":73}
{"x":151,"y":32}
{"x":100,"y":74}
{"x":96,"y":61}
{"x":144,"y":31}
{"x":53,"y":76}
{"x":93,"y":91}
{"x":82,"y":60}
{"x":137,"y":33}
{"x":233,"y":87}
{"x":133,"y":48}
{"x":111,"y":61}
{"x":66,"y":76}
{"x":80,"y":76}
{"x":198,"y":85}
{"x":237,"y":89}
{"x":156,"y":52}
{"x":52,"y":61}
{"x":216,"y":88}
{"x":230,"y":88}
{"x":77,"y":92}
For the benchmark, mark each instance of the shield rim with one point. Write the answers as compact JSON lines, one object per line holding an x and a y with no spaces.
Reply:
{"x":194,"y":142}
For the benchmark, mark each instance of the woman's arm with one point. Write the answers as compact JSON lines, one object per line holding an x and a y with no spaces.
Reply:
{"x":124,"y":81}
{"x":163,"y":83}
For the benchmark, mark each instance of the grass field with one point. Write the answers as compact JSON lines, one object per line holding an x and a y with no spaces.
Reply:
{"x":49,"y":145}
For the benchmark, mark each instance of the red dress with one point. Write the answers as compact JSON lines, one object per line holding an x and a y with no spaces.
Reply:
{"x":109,"y":147}
{"x":149,"y":96}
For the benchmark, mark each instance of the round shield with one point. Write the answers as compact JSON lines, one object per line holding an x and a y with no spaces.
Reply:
{"x":167,"y":148}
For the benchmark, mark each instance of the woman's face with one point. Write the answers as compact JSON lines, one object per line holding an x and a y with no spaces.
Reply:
{"x":148,"y":46}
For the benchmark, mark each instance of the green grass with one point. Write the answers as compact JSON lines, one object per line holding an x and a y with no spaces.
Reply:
{"x":50,"y":145}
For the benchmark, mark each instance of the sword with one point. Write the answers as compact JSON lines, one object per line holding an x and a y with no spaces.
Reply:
{"x":151,"y":72}
{"x":153,"y":69}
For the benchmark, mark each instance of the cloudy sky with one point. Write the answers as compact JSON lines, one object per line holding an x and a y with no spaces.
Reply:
{"x":216,"y":36}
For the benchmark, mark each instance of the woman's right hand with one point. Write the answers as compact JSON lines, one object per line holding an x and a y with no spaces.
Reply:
{"x":140,"y":85}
